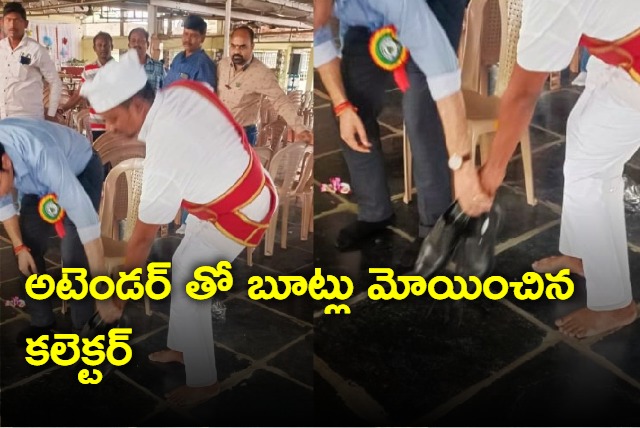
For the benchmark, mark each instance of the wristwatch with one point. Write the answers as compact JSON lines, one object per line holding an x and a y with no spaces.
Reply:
{"x":456,"y":161}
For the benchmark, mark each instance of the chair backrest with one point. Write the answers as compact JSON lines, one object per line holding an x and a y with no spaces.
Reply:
{"x":83,"y":124}
{"x":305,"y":182}
{"x":285,"y":165}
{"x":109,"y":223}
{"x":471,"y":44}
{"x":511,"y":16}
{"x":265,"y":154}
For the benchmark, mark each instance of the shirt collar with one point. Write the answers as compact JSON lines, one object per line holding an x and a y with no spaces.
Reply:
{"x":244,"y":67}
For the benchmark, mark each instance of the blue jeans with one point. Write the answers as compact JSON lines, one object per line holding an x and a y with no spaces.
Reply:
{"x":252,"y":134}
{"x":36,"y":233}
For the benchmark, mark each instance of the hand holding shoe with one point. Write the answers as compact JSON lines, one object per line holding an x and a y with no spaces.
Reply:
{"x":470,"y":195}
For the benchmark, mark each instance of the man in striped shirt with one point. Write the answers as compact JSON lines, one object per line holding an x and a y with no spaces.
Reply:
{"x":139,"y":41}
{"x":102,"y":46}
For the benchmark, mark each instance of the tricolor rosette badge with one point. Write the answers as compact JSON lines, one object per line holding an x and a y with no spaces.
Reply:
{"x":51,"y":212}
{"x":389,"y":54}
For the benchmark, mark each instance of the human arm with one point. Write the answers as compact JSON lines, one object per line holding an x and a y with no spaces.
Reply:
{"x":26,"y":264}
{"x":516,"y":109}
{"x":327,"y":63}
{"x":48,"y":70}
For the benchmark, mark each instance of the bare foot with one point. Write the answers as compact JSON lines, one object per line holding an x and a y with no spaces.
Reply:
{"x":555,"y":264}
{"x":585,"y":322}
{"x":187,"y":396}
{"x":166,"y":356}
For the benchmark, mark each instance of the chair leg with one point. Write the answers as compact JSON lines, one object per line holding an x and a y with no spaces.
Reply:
{"x":147,"y":306}
{"x":408,"y":177}
{"x":250,"y":255}
{"x":284,"y":227}
{"x":527,"y":164}
{"x":484,"y":142}
{"x":307,"y":217}
{"x":271,"y":234}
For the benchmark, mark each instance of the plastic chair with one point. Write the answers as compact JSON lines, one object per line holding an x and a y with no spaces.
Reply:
{"x":286,"y":166}
{"x":113,"y":239}
{"x":482,"y":110}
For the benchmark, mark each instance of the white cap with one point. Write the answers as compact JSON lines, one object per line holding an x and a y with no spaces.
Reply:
{"x":115,"y":82}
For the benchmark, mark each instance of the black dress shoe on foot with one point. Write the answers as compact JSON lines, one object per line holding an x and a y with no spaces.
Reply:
{"x":359,"y":231}
{"x":439,"y":244}
{"x":474,"y":254}
{"x":409,"y":256}
{"x":33,"y":332}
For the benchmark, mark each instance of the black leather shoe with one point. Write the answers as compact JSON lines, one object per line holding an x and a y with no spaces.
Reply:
{"x":33,"y":332}
{"x":409,"y":256}
{"x":438,"y":245}
{"x":359,"y":231}
{"x":94,"y":327}
{"x":474,"y":254}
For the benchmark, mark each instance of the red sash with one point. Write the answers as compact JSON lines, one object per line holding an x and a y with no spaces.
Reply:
{"x":224,"y":212}
{"x":624,"y":52}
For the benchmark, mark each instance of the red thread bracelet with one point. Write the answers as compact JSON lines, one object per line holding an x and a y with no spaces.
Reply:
{"x":19,"y":248}
{"x":340,"y":108}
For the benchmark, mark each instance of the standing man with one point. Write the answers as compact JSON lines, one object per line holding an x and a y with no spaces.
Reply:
{"x":603,"y":132}
{"x":38,"y":159}
{"x":243,"y":80}
{"x":23,"y":65}
{"x":192,"y":63}
{"x":433,"y":107}
{"x":215,"y":176}
{"x":102,"y":46}
{"x":139,"y":40}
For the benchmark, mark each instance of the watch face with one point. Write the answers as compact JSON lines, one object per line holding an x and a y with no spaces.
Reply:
{"x":455,"y":162}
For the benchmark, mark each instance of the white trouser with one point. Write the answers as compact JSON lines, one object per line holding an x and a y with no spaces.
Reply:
{"x":190,"y":322}
{"x":603,"y":132}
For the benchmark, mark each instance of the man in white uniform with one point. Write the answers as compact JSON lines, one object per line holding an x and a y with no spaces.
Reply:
{"x":603,"y":132}
{"x":197,"y":158}
{"x":24,"y":64}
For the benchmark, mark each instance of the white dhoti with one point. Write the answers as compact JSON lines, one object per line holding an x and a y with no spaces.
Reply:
{"x":190,"y":322}
{"x":603,"y":132}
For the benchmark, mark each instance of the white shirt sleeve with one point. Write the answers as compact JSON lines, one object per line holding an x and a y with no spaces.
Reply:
{"x":48,"y":70}
{"x":550,"y":33}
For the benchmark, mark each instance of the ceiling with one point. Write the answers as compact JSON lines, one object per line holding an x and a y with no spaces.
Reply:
{"x":276,"y":13}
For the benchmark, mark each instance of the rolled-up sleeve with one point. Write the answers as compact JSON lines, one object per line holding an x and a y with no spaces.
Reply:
{"x":421,"y":33}
{"x":56,"y":174}
{"x":324,"y":49}
{"x":7,"y":210}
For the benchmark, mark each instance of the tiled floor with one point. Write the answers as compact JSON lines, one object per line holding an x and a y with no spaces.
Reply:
{"x":411,"y":362}
{"x":264,"y":354}
{"x":426,"y":362}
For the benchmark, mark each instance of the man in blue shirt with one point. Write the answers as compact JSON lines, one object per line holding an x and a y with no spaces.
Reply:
{"x":40,"y":158}
{"x":433,"y":106}
{"x":193,"y":63}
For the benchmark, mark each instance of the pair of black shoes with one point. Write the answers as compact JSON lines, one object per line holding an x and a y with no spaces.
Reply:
{"x":95,"y":327}
{"x":468,"y":242}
